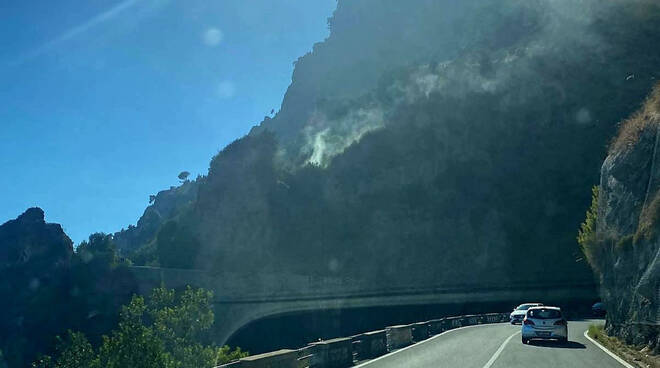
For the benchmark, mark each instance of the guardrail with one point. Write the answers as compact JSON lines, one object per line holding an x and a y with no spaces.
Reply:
{"x":345,"y":352}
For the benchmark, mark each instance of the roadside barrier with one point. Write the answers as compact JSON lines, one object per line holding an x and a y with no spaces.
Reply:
{"x":398,"y":336}
{"x":345,"y":352}
{"x":420,"y":331}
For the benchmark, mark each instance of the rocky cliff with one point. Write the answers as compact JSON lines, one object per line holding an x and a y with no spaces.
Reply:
{"x":166,"y":205}
{"x":626,"y":248}
{"x":423,"y":136}
{"x":29,"y":240}
{"x":46,"y":287}
{"x":34,"y":259}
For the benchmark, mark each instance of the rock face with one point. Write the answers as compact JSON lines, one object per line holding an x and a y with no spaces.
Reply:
{"x":627,"y":256}
{"x":35,"y":258}
{"x":47,"y":288}
{"x":166,"y":205}
{"x":30,"y":240}
{"x":432,"y":142}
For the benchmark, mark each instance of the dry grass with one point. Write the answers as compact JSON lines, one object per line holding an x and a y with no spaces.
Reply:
{"x":631,"y":129}
{"x":649,"y":220}
{"x":637,"y":356}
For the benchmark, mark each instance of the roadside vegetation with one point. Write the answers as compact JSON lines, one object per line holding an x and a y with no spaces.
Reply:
{"x":165,"y":330}
{"x":632,"y":128}
{"x":638,"y":356}
{"x":587,"y":239}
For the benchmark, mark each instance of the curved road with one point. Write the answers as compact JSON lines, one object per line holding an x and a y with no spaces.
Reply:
{"x":498,"y":346}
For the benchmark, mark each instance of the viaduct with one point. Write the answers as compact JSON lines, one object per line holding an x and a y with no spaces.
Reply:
{"x":246,"y":298}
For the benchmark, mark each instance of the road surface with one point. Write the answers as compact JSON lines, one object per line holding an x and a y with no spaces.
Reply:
{"x":499,"y":346}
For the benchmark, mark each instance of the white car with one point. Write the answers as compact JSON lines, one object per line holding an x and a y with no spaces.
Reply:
{"x":519,"y":312}
{"x":544,"y":323}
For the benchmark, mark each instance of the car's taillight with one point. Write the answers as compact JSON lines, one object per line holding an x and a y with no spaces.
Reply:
{"x":528,"y":322}
{"x":561,"y":322}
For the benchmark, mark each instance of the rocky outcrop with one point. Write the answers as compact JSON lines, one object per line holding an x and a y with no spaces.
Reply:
{"x":29,"y":240}
{"x":626,"y":252}
{"x":47,"y":288}
{"x":35,"y":259}
{"x":166,"y":205}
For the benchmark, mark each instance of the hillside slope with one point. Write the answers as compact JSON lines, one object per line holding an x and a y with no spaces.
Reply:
{"x":47,"y":288}
{"x":469,"y":136}
{"x":625,"y":249}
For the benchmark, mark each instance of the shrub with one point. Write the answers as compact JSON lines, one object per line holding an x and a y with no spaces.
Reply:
{"x":587,"y":234}
{"x":631,"y":129}
{"x":165,"y":331}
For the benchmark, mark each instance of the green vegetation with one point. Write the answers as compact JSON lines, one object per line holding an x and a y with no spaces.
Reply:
{"x":163,"y":331}
{"x":623,"y":350}
{"x":175,"y":246}
{"x":649,"y":220}
{"x":632,"y":128}
{"x":596,"y":332}
{"x":46,"y":287}
{"x":587,"y":238}
{"x":183,"y":176}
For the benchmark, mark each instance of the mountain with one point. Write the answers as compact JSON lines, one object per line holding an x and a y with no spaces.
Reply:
{"x":624,"y":246}
{"x":165,"y":205}
{"x":431,"y":141}
{"x":47,"y":288}
{"x":29,"y":240}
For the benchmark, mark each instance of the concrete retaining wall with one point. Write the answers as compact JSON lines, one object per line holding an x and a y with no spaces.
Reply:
{"x":343,"y":352}
{"x":369,"y":345}
{"x":398,"y":336}
{"x":335,"y":353}
{"x":436,"y":326}
{"x":420,"y":331}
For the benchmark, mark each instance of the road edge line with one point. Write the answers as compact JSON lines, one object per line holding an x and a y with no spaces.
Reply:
{"x":618,"y":358}
{"x":421,"y":342}
{"x":499,"y":351}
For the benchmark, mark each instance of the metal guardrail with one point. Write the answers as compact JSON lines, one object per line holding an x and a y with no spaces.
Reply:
{"x":345,"y":352}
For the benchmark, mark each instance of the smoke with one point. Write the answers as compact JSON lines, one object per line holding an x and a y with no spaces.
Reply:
{"x":508,"y":40}
{"x":327,"y":138}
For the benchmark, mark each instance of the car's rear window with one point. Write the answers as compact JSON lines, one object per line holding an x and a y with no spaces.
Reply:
{"x":544,"y":313}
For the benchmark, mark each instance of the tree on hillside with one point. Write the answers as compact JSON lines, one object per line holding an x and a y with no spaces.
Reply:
{"x":99,"y":250}
{"x":183,"y":175}
{"x":166,"y":330}
{"x":176,"y":247}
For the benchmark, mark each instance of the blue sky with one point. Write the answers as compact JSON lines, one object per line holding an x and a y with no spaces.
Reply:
{"x":103,"y":103}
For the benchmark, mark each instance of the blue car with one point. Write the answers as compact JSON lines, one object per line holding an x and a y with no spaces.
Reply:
{"x":598,"y":310}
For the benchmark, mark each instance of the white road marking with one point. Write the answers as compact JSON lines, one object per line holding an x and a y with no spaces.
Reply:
{"x":422,"y":342}
{"x":623,"y":362}
{"x":499,"y":351}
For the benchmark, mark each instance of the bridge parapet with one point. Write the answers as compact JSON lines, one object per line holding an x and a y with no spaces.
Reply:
{"x":344,"y":352}
{"x":283,"y":286}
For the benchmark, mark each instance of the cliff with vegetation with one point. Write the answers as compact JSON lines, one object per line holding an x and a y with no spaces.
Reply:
{"x":163,"y":206}
{"x":620,"y":236}
{"x":46,"y":287}
{"x":425,"y":135}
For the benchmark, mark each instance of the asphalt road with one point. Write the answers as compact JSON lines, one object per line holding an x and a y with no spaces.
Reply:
{"x":499,"y":346}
